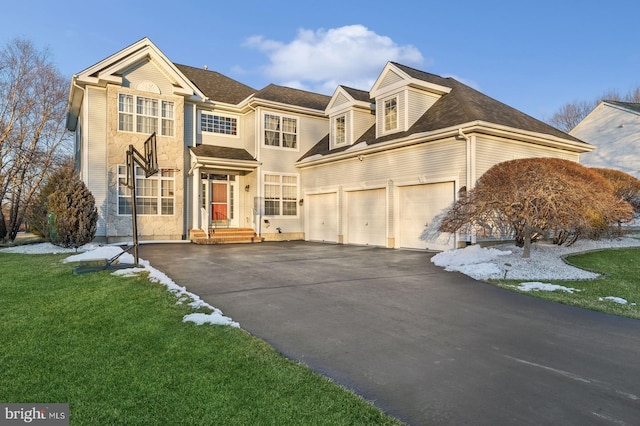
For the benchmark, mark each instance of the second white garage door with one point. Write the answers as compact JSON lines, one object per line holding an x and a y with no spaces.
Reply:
{"x":366,"y":217}
{"x":419,"y":205}
{"x":323,"y":217}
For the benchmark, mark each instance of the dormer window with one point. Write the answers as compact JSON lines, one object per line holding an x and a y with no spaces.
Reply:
{"x":390,"y":114}
{"x":340,"y":131}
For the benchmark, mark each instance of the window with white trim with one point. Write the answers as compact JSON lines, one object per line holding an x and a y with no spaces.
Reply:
{"x":155,"y":195}
{"x":214,"y":123}
{"x":340,"y":130}
{"x":280,"y":131}
{"x":391,"y":114}
{"x":150,"y":115}
{"x":280,"y":195}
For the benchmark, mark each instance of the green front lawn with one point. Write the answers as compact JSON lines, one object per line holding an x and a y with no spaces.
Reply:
{"x":621,"y":269}
{"x":117,"y":351}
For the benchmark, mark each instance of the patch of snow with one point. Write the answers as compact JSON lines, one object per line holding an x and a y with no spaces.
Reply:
{"x":538,"y":286}
{"x":546,"y":261}
{"x":356,"y":147}
{"x":40,"y":248}
{"x":215,"y":318}
{"x":615,"y":299}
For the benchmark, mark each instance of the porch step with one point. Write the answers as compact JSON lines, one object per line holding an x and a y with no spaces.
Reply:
{"x":224,"y":236}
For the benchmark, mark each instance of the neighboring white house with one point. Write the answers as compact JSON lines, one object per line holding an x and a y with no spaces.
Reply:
{"x":614,"y":129}
{"x":371,"y":167}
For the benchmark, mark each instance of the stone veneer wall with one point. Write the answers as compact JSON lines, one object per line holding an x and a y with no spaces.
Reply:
{"x":171,"y":153}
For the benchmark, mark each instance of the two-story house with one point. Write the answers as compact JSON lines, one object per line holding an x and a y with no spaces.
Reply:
{"x":360,"y":167}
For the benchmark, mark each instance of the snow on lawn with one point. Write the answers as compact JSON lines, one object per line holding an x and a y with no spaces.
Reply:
{"x":94,"y":252}
{"x":546,"y":263}
{"x":537,"y":286}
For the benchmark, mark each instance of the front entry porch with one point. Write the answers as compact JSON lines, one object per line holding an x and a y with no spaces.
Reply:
{"x":223,"y":196}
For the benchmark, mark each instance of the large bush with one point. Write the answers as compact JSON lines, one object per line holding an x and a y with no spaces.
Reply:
{"x":625,"y":186}
{"x":539,"y":197}
{"x":65,"y":212}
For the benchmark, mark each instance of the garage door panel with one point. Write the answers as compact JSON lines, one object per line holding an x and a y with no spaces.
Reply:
{"x":323,"y":217}
{"x":419,"y":207}
{"x":366,"y":217}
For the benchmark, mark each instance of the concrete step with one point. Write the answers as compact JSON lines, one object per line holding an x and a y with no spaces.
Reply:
{"x":224,"y":236}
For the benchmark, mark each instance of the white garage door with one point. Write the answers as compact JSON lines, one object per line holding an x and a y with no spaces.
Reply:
{"x":419,"y":205}
{"x":366,"y":217}
{"x":323,"y":217}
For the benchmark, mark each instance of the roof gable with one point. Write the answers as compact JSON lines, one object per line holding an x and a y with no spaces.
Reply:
{"x":395,"y":76}
{"x":110,"y":69}
{"x":347,"y":97}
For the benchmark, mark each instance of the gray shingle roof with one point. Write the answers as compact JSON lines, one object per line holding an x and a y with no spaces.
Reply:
{"x":214,"y":151}
{"x":216,"y":86}
{"x":461,"y":105}
{"x":357,"y":94}
{"x":287,"y":95}
{"x":628,"y":105}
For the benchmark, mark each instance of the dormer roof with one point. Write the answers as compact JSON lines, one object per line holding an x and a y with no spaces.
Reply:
{"x":347,"y":97}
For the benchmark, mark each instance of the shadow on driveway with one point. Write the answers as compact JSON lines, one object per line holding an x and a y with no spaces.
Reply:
{"x":425,"y":345}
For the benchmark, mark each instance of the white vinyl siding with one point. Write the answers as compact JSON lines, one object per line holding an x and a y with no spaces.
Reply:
{"x":96,"y":166}
{"x":431,"y":159}
{"x":389,"y":79}
{"x":418,"y":103}
{"x":490,"y":151}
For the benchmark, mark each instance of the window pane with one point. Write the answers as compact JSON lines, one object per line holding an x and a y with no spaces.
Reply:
{"x":390,"y":114}
{"x":289,"y":208}
{"x":289,"y":125}
{"x":271,"y":138}
{"x":271,"y":208}
{"x":288,"y":140}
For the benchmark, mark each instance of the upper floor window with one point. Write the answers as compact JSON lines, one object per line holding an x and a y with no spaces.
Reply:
{"x":154,"y":195}
{"x":390,"y":114}
{"x":149,"y":115}
{"x":218,"y":124}
{"x":280,"y":131}
{"x":340,"y":131}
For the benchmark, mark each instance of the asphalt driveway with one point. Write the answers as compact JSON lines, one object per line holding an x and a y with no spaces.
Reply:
{"x":424,"y":345}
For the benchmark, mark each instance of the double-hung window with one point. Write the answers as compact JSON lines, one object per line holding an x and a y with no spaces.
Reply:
{"x":149,"y":115}
{"x":340,"y":130}
{"x":155,"y":195}
{"x":280,"y":195}
{"x":391,"y":114}
{"x":280,"y":131}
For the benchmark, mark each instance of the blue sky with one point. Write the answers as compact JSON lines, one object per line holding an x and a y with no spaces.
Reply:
{"x":534,"y":56}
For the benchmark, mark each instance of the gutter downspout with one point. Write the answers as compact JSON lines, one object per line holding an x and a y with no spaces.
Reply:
{"x":470,"y":142}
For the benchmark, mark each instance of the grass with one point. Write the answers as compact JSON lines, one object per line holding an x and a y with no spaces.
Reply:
{"x":621,"y":278}
{"x":117,"y":351}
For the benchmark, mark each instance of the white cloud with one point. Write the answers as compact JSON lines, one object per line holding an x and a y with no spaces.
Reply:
{"x":321,"y":60}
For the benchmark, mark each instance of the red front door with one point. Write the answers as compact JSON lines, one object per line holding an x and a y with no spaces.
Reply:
{"x":219,"y":203}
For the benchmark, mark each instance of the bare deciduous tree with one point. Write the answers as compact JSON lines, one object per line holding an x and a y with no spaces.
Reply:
{"x":538,"y":197}
{"x":32,"y":110}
